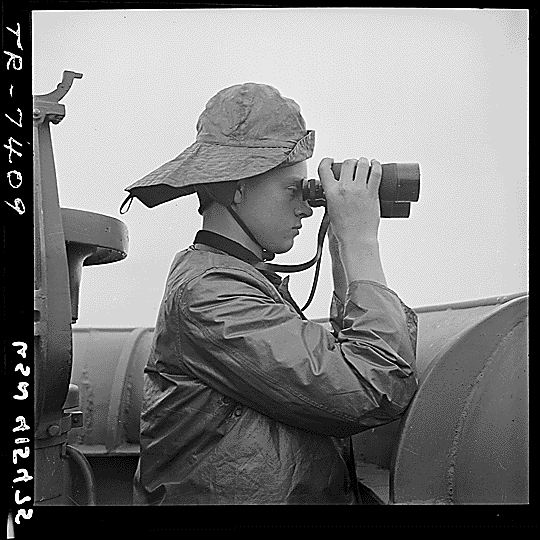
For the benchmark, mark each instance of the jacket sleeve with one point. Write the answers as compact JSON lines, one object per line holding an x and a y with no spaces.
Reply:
{"x":259,"y":352}
{"x":337,"y":309}
{"x":336,"y":314}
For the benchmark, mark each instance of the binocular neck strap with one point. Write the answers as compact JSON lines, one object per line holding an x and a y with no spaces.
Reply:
{"x":290,"y":268}
{"x":299,"y":267}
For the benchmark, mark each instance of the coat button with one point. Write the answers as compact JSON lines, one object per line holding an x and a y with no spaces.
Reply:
{"x":238,"y":411}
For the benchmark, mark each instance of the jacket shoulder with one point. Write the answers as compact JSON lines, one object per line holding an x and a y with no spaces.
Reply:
{"x":196,"y":270}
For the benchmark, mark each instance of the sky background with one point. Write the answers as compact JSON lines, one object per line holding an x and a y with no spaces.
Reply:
{"x":445,"y":88}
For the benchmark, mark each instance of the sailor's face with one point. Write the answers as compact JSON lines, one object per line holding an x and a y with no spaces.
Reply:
{"x":273,"y":207}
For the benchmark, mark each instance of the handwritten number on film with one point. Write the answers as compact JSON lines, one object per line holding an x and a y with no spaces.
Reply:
{"x":24,"y":452}
{"x":14,"y":177}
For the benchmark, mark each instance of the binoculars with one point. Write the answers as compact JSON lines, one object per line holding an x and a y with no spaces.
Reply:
{"x":400,"y":185}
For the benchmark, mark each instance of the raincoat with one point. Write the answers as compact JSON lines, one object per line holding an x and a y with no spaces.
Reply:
{"x":247,"y":402}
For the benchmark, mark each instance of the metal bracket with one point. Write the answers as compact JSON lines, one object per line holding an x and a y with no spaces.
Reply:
{"x":55,"y":432}
{"x":46,"y":105}
{"x":62,"y":89}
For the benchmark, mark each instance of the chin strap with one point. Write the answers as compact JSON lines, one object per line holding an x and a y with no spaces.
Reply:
{"x":266,"y":255}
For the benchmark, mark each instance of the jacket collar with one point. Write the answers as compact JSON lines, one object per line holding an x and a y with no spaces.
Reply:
{"x":222,"y":243}
{"x":217,"y":241}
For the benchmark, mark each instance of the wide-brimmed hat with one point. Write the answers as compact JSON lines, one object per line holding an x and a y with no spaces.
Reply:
{"x":245,"y":130}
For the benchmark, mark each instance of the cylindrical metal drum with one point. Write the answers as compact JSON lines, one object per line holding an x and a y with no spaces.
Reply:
{"x":438,"y":328}
{"x":108,"y":368}
{"x":464,"y":439}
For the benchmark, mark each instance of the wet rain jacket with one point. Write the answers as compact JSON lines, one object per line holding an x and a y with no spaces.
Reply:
{"x":247,"y":402}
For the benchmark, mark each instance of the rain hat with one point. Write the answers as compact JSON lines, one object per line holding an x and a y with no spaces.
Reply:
{"x":245,"y":130}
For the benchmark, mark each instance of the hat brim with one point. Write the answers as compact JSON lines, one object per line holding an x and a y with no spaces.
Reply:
{"x":205,"y":163}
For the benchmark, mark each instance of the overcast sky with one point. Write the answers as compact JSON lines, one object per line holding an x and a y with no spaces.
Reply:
{"x":445,"y":88}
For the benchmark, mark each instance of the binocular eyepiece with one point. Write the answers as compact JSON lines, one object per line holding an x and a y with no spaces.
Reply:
{"x":400,"y":185}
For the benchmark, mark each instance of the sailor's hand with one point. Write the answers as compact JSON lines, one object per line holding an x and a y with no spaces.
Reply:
{"x":353,"y":199}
